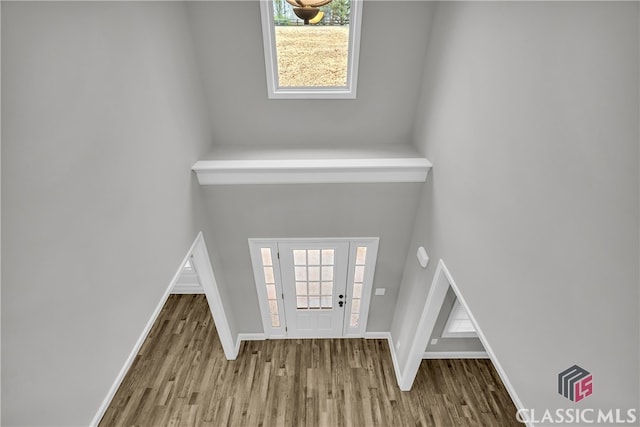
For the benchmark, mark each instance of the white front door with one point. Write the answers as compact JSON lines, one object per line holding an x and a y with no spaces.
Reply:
{"x":314,"y":281}
{"x":314,"y":288}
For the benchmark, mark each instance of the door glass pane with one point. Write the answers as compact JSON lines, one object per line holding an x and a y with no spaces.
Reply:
{"x":327,"y":288}
{"x":268,"y":275}
{"x":314,"y":302}
{"x":301,"y":273}
{"x":271,"y":291}
{"x":355,"y":320}
{"x":301,"y":289}
{"x":358,"y":280}
{"x":275,"y":321}
{"x":327,"y":256}
{"x":273,"y":306}
{"x":314,"y":257}
{"x":299,"y":257}
{"x":327,"y":273}
{"x":266,"y":256}
{"x":357,"y":290}
{"x":355,"y":306}
{"x":314,"y":288}
{"x":361,"y":255}
{"x":270,"y":286}
{"x":314,"y":273}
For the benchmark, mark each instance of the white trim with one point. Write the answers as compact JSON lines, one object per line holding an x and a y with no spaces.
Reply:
{"x":200,"y":258}
{"x":392,"y":349}
{"x":394,"y":359}
{"x":187,"y":288}
{"x":269,"y":44}
{"x":247,"y":337}
{"x":376,"y":335}
{"x":271,"y":66}
{"x":455,"y":355}
{"x":311,"y":239}
{"x":435,"y":298}
{"x":447,"y":334}
{"x":138,"y":345}
{"x":257,"y":336}
{"x":202,"y":264}
{"x":312,"y":171}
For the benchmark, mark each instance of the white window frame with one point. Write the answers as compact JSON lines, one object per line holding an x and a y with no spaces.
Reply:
{"x":274,"y":91}
{"x":447,"y":333}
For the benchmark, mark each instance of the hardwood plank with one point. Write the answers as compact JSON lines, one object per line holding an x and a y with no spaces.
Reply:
{"x":181,"y":378}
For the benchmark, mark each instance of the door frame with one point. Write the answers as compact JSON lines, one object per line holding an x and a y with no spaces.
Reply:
{"x":442,"y":280}
{"x":199,"y":256}
{"x":255,"y":244}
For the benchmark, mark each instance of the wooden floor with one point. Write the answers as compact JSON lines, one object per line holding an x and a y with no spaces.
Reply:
{"x":181,"y":378}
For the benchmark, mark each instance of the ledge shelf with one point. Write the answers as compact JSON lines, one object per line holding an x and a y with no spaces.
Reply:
{"x":312,"y":171}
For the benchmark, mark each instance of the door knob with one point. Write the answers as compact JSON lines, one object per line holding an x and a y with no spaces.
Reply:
{"x":340,"y":296}
{"x":340,"y":303}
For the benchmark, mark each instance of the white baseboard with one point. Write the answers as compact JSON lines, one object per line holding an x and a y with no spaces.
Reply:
{"x":377,"y":335}
{"x":138,"y":345}
{"x":182,"y":288}
{"x":259,"y":336}
{"x":392,"y":350}
{"x":455,"y":355}
{"x":134,"y":352}
{"x":248,"y":337}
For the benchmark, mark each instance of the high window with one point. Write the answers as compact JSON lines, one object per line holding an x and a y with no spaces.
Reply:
{"x":315,"y":57}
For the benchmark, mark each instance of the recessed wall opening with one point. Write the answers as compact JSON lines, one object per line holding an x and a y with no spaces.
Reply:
{"x":454,"y":335}
{"x":441,"y":286}
{"x":458,"y":323}
{"x":188,"y":281}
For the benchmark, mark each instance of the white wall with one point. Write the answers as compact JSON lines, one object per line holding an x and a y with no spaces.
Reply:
{"x":392,"y":51}
{"x":103,"y":118}
{"x":530,"y":117}
{"x":239,"y":212}
{"x":247,"y":124}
